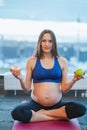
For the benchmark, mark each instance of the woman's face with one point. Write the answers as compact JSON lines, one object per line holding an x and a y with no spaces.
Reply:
{"x":46,"y":43}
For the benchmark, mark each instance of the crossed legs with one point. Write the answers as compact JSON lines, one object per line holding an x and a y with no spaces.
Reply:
{"x":68,"y":111}
{"x":32,"y":111}
{"x":44,"y":115}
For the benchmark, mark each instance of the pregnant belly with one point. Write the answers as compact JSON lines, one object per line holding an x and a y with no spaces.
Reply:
{"x":47,"y":99}
{"x":47,"y":94}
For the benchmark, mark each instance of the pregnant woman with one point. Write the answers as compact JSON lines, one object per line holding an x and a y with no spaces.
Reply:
{"x":48,"y":72}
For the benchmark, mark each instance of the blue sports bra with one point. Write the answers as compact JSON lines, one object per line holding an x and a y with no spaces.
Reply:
{"x":41,"y":74}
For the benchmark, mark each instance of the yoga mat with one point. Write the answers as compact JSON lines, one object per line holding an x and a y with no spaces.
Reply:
{"x":73,"y":124}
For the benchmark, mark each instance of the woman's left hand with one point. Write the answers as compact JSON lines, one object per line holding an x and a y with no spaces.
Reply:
{"x":76,"y":78}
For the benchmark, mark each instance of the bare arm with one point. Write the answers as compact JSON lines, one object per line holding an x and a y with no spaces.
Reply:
{"x":66,"y":86}
{"x":25,"y":83}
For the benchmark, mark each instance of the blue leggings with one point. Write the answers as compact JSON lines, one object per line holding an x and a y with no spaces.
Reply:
{"x":23,"y":112}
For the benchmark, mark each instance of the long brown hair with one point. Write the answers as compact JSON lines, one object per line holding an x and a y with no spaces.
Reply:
{"x":38,"y":51}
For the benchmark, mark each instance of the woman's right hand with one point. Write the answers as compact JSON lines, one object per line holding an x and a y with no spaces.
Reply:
{"x":16,"y":71}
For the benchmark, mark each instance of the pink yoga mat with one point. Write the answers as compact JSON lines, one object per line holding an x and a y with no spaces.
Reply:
{"x":48,"y":125}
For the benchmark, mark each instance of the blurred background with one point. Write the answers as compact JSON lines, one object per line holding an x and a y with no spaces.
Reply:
{"x":21,"y":22}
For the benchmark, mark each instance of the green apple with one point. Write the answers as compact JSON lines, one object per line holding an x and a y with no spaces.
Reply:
{"x":79,"y":72}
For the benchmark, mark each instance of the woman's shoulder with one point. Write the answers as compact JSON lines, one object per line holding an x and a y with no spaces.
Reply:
{"x":31,"y":61}
{"x":63,"y":59}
